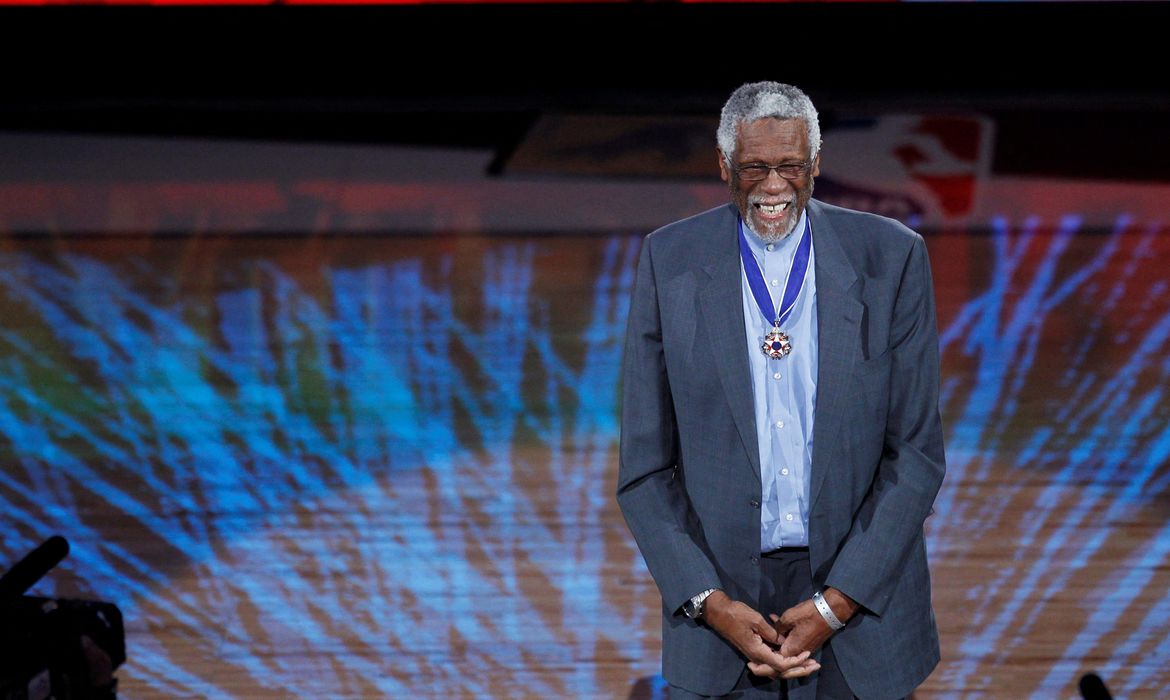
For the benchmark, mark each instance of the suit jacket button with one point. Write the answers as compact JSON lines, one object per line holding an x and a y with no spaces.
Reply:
{"x":755,"y":503}
{"x":755,"y":559}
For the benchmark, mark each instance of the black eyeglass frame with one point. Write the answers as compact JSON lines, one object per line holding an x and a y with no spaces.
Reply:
{"x":755,"y":172}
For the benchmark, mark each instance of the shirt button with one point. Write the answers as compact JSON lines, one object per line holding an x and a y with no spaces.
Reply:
{"x":771,"y":246}
{"x":788,"y":517}
{"x":775,"y":283}
{"x":779,"y":424}
{"x":784,"y":471}
{"x":776,"y":376}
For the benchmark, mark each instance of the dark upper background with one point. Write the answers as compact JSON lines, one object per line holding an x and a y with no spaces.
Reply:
{"x":1079,"y":89}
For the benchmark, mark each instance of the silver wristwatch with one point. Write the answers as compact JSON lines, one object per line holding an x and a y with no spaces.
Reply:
{"x":694,"y":607}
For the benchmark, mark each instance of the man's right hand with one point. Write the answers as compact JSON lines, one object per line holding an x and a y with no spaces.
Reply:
{"x":755,"y":638}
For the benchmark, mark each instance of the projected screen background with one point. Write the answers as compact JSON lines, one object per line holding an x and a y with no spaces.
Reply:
{"x":382,"y":466}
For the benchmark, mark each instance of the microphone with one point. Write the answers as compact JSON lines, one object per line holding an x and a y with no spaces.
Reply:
{"x":1093,"y":688}
{"x":29,"y":570}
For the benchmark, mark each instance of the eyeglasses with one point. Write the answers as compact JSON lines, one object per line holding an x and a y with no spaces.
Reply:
{"x":759,"y":171}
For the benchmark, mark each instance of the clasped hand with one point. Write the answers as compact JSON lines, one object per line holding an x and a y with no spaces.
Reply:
{"x":769,"y":650}
{"x":803,"y":626}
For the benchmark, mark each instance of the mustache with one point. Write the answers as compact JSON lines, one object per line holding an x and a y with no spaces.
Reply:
{"x":760,"y":199}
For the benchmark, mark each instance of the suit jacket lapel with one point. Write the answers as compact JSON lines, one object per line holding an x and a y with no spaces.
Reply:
{"x":721,"y":302}
{"x":839,"y":315}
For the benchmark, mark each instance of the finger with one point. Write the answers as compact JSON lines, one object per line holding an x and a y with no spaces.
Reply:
{"x":790,"y":662}
{"x":780,"y":627}
{"x":766,"y":631}
{"x":780,"y":662}
{"x":763,"y":670}
{"x":793,"y":644}
{"x":806,"y":667}
{"x":802,"y":671}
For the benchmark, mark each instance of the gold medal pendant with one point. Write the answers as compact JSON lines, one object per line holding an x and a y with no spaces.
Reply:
{"x":777,"y":344}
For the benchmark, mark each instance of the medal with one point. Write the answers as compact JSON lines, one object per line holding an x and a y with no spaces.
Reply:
{"x":777,"y":344}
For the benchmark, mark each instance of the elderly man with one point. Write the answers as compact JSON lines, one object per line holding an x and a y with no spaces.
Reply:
{"x":781,"y":444}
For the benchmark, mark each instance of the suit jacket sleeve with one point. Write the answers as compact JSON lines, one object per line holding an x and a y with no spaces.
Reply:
{"x":887,"y":528}
{"x":650,"y":492}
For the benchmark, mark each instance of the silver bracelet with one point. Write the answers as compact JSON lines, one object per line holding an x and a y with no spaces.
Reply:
{"x":826,"y":612}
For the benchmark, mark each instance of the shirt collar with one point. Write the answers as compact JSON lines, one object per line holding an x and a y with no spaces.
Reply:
{"x":758,"y":245}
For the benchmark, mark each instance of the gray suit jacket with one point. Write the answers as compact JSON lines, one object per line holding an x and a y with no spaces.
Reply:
{"x":689,"y":480}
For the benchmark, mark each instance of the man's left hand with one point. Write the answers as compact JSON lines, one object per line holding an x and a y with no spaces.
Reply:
{"x":804,"y":628}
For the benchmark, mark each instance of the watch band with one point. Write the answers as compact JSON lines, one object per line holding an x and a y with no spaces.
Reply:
{"x":826,"y":612}
{"x":695,"y":607}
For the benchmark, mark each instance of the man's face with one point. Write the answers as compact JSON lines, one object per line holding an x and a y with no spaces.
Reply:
{"x":772,"y":206}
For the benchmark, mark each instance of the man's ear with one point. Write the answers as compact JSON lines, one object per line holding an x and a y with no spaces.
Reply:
{"x":816,"y":165}
{"x":724,"y":171}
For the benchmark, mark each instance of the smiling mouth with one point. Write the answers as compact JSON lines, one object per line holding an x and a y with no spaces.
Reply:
{"x":772,"y":209}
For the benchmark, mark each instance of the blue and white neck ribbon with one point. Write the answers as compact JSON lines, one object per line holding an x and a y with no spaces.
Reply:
{"x":777,"y":344}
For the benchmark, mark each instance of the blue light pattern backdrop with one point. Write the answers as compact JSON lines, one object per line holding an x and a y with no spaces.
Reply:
{"x":384,"y":466}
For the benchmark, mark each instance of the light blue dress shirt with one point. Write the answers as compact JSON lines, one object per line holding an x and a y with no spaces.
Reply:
{"x":784,"y":393}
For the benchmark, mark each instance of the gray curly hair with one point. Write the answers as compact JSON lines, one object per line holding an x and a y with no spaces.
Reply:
{"x":752,"y":101}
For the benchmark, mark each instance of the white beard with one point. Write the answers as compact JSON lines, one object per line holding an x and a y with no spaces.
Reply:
{"x":775,"y":236}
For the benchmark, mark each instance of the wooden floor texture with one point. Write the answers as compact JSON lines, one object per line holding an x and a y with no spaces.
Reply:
{"x":366,"y":467}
